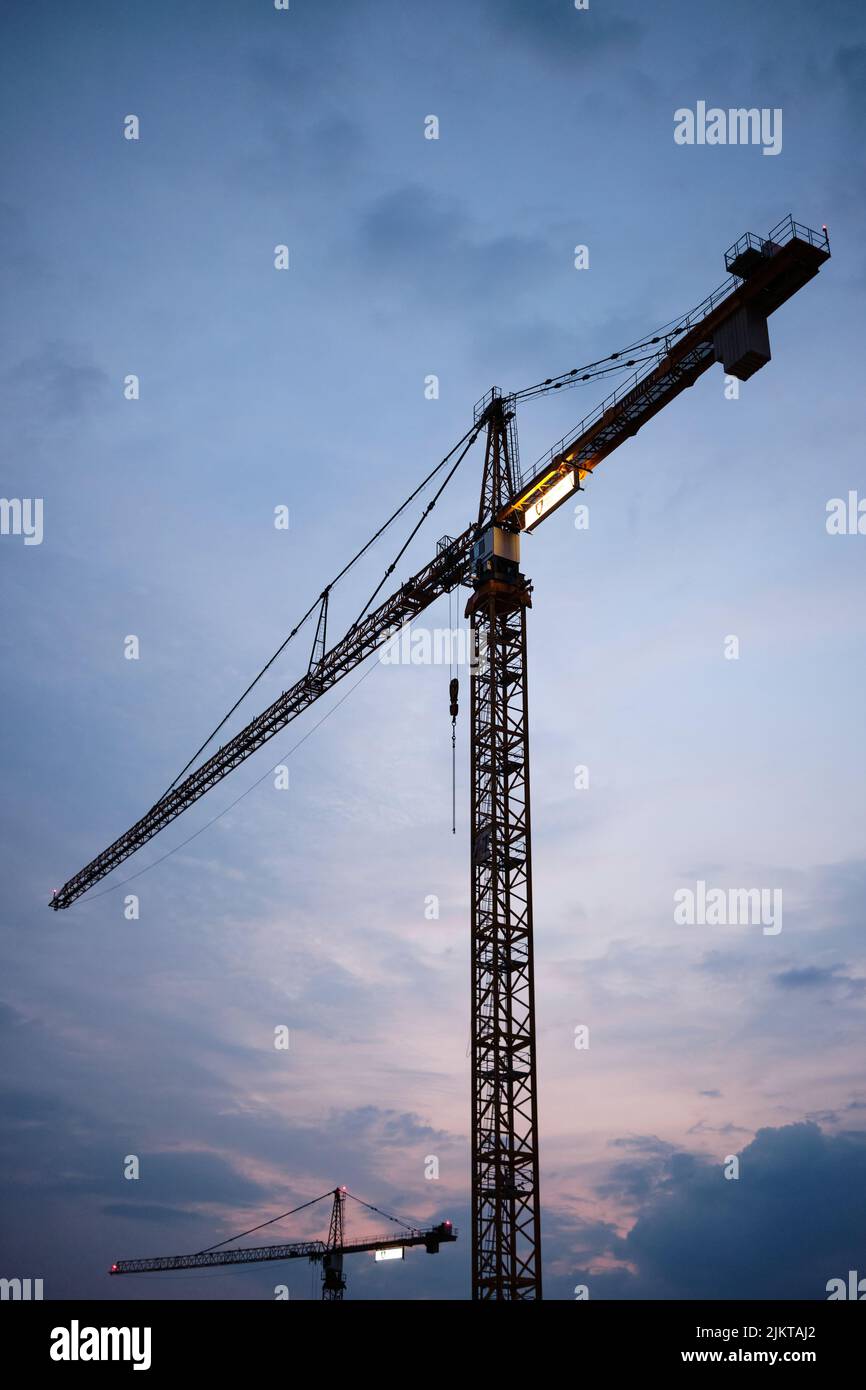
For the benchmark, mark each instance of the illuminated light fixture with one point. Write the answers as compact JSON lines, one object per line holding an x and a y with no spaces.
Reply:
{"x":396,"y":1253}
{"x":549,"y":499}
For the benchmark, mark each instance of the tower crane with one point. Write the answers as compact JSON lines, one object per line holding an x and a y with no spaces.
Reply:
{"x":730,"y":326}
{"x":329,"y":1254}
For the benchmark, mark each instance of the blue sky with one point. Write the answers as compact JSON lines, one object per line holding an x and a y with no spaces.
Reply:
{"x":305,"y":388}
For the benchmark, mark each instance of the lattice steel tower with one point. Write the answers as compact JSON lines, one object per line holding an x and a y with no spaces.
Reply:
{"x":506,"y":1242}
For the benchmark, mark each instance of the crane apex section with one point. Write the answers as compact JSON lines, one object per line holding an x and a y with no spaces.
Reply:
{"x":771,"y":269}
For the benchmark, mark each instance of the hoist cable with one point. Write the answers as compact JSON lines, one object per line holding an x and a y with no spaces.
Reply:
{"x":396,"y":1219}
{"x":315,"y":605}
{"x":273,"y":1219}
{"x":470,"y":436}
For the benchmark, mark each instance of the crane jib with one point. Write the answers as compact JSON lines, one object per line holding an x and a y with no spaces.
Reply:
{"x":729,"y":327}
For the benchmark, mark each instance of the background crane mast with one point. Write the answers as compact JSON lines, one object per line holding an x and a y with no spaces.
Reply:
{"x":333,"y":1283}
{"x":730,"y":326}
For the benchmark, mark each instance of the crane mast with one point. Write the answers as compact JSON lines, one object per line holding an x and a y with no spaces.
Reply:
{"x":333,"y":1282}
{"x":506,"y":1244}
{"x":730,"y":327}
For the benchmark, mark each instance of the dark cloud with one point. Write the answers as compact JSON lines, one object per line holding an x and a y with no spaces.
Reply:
{"x":28,"y":1108}
{"x":578,"y":1243}
{"x":633,"y":1180}
{"x":427,"y":245}
{"x":18,"y":253}
{"x":566,"y":37}
{"x":58,"y":383}
{"x":849,"y":65}
{"x":148,"y":1213}
{"x":284,"y":78}
{"x":701,"y":1127}
{"x":193,"y":1177}
{"x":825,"y":978}
{"x":794,"y":1218}
{"x":308,"y":130}
{"x":643,"y":1143}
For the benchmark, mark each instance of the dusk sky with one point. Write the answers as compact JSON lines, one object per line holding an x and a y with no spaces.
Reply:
{"x":304,"y":388}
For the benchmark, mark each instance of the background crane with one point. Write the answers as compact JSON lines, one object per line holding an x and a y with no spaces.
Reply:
{"x":328,"y":1253}
{"x":730,"y":326}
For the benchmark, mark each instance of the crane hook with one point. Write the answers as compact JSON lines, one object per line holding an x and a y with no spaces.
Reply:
{"x":453,"y":690}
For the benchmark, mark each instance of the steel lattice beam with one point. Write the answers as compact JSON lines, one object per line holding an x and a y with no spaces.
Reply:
{"x":360,"y":641}
{"x":297,"y":1250}
{"x":505,"y":1193}
{"x":333,"y":1281}
{"x":506,"y":1240}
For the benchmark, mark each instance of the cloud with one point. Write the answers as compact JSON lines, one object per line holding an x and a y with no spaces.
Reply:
{"x":562,"y":35}
{"x":17,"y":253}
{"x":849,"y":65}
{"x":309,"y":133}
{"x":730,"y":1128}
{"x":826,"y":978}
{"x":148,"y":1213}
{"x":188,"y":1178}
{"x":58,"y":383}
{"x":428,"y":246}
{"x":794,"y":1218}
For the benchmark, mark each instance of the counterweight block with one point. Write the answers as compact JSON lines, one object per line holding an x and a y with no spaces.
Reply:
{"x":742,"y":342}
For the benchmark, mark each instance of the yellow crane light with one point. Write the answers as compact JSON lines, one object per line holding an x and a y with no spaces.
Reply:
{"x":546,"y":500}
